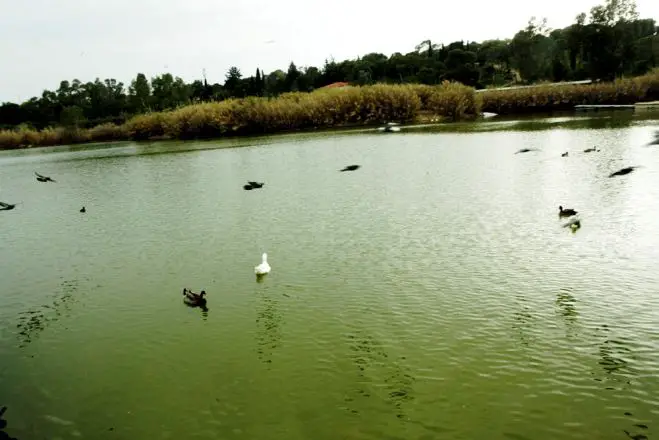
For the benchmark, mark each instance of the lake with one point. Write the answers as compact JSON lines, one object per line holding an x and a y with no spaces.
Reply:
{"x":433,"y":293}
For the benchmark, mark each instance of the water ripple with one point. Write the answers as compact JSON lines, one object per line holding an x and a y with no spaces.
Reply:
{"x":432,"y":288}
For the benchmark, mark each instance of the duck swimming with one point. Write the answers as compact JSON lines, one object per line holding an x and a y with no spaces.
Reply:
{"x":194,"y":299}
{"x":264,"y":267}
{"x":590,"y":150}
{"x":566,"y":212}
{"x":573,"y":224}
{"x":42,"y":178}
{"x":83,"y":209}
{"x":350,"y":168}
{"x":564,"y":154}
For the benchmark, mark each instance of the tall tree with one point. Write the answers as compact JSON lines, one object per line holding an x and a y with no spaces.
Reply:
{"x":614,"y":11}
{"x":258,"y":90}
{"x":611,"y":40}
{"x":232,"y":84}
{"x":292,"y":76}
{"x":430,"y":47}
{"x":139,"y":94}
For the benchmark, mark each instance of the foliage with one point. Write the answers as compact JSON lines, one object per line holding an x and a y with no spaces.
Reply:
{"x":610,"y":42}
{"x":546,"y":98}
{"x":323,"y":108}
{"x":337,"y":107}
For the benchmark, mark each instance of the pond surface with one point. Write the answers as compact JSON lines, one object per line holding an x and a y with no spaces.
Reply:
{"x":433,"y":293}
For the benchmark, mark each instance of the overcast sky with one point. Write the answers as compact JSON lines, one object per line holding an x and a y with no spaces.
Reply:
{"x":45,"y":41}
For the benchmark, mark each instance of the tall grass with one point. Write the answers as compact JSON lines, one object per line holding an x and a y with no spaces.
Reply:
{"x":291,"y":111}
{"x":454,"y":101}
{"x":564,"y":97}
{"x":25,"y":137}
{"x":341,"y":107}
{"x":298,"y":111}
{"x":324,"y":108}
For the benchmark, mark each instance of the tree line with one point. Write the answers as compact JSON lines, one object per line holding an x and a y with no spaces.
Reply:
{"x":611,"y":41}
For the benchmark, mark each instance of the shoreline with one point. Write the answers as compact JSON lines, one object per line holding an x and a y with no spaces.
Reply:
{"x":418,"y":126}
{"x":523,"y":122}
{"x":348,"y":109}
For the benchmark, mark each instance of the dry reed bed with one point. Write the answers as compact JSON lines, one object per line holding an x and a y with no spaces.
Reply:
{"x":543,"y":99}
{"x":327,"y":108}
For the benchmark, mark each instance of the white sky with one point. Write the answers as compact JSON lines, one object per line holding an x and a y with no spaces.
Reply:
{"x":45,"y":41}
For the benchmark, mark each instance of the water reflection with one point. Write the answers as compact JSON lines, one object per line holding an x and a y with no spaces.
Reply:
{"x":522,"y":321}
{"x":599,"y":121}
{"x":612,"y":353}
{"x":635,"y":436}
{"x":399,"y":381}
{"x":32,"y":322}
{"x":506,"y":277}
{"x":566,"y":308}
{"x":614,"y":360}
{"x":366,"y":350}
{"x":268,"y":324}
{"x":374,"y":367}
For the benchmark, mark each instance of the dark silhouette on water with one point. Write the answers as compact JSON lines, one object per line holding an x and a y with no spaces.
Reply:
{"x":564,"y":154}
{"x":623,"y":171}
{"x":42,"y":178}
{"x":194,"y":299}
{"x":526,"y":150}
{"x":83,"y":209}
{"x":6,"y":206}
{"x":3,"y":425}
{"x":351,"y":168}
{"x":253,"y":185}
{"x":566,"y":212}
{"x":590,"y":150}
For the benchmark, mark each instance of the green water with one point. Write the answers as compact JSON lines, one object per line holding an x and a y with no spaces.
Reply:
{"x":431,"y":294}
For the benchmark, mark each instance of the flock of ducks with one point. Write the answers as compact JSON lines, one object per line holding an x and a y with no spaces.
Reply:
{"x":40,"y":178}
{"x":575,"y":223}
{"x":620,"y":172}
{"x":199,"y":299}
{"x":260,"y":270}
{"x":189,"y":297}
{"x":193,"y":299}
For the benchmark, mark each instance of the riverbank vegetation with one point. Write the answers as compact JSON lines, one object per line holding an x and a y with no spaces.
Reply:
{"x":341,"y":107}
{"x":435,"y":80}
{"x":325,"y":108}
{"x":552,"y":98}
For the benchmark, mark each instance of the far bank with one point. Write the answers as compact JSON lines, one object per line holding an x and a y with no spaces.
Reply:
{"x":348,"y":107}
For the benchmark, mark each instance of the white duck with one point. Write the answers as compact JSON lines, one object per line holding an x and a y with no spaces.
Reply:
{"x":264,"y":267}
